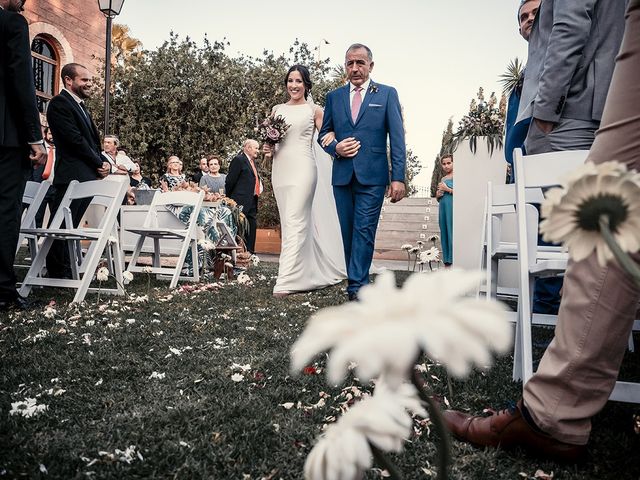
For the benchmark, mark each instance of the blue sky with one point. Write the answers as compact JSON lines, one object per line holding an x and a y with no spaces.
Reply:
{"x":436,"y":53}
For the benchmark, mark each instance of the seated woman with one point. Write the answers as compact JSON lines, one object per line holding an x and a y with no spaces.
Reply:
{"x":173,"y":177}
{"x":136,"y":180}
{"x":227,"y":212}
{"x":214,"y":180}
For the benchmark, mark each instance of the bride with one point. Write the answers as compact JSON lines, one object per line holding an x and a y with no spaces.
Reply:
{"x":312,"y":256}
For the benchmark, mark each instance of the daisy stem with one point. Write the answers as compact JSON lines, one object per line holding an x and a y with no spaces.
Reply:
{"x":408,"y":261}
{"x":382,"y":460}
{"x":623,"y":259}
{"x":99,"y":288}
{"x":438,"y":423}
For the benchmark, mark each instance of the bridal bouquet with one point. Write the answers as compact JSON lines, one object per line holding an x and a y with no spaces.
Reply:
{"x":272,"y":129}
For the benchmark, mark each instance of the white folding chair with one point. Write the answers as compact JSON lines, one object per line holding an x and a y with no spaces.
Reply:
{"x":540,"y":171}
{"x":188,"y":235}
{"x":83,"y":266}
{"x":535,"y":171}
{"x":500,"y":231}
{"x":34,"y":193}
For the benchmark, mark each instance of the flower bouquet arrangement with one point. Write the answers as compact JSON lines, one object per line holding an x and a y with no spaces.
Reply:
{"x":272,"y":130}
{"x":485,"y":119}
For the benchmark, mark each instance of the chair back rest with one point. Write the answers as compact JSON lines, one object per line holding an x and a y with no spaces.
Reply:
{"x":34,"y":193}
{"x":547,"y":169}
{"x":501,"y":212}
{"x":109,"y":194}
{"x":30,"y":191}
{"x":538,"y":171}
{"x":181,"y":199}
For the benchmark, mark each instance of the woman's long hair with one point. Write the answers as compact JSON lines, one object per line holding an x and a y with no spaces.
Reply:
{"x":306,"y":78}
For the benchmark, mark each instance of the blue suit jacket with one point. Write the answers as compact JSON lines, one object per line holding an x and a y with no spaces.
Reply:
{"x":380,"y":117}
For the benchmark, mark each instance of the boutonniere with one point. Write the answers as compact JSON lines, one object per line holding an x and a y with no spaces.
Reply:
{"x":373,"y":88}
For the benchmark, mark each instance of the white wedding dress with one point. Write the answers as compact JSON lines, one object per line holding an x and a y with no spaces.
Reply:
{"x":312,"y":255}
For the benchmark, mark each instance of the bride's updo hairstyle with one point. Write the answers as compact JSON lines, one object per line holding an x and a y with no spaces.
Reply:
{"x":306,"y":78}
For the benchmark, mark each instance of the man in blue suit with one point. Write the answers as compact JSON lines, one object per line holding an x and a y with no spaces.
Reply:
{"x":363,"y":115}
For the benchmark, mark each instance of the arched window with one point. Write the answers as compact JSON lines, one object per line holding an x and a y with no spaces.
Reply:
{"x":46,"y":69}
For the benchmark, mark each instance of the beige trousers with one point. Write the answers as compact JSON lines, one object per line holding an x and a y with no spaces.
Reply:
{"x":579,"y":369}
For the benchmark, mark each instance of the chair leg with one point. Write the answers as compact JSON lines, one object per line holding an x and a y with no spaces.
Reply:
{"x":74,"y":260}
{"x":180,"y":264}
{"x":116,"y":255}
{"x":37,"y":264}
{"x":91,"y":265}
{"x":196,"y":261}
{"x":156,"y":252}
{"x":517,"y":345}
{"x":526,"y":315}
{"x":136,"y":253}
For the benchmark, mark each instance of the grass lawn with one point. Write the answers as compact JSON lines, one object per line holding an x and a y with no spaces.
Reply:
{"x":197,"y":385}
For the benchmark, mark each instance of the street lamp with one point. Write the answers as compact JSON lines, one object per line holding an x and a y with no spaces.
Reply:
{"x":111,"y":9}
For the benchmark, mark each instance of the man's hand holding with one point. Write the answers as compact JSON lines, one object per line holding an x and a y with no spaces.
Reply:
{"x":348,"y":147}
{"x":396,"y":191}
{"x":38,"y":155}
{"x":104,"y":170}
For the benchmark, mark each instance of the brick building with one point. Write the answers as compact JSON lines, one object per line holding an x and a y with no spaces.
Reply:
{"x":61,"y":32}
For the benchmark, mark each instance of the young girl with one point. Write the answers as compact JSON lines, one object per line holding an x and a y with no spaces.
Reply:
{"x":445,"y":195}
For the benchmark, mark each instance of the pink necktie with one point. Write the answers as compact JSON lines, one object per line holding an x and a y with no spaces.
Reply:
{"x":356,"y":103}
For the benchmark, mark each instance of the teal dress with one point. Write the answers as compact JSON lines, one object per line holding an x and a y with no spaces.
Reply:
{"x":446,"y":223}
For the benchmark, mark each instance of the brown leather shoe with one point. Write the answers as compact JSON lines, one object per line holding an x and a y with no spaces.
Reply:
{"x":508,"y":429}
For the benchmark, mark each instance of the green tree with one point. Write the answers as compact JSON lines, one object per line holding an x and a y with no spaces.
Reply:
{"x":412,"y":169}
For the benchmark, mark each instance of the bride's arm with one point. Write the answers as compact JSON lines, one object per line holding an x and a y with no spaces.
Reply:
{"x":330,"y":136}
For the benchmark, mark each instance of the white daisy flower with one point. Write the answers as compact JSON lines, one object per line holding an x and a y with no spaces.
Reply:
{"x":244,"y":279}
{"x":27,"y":408}
{"x":255,"y":260}
{"x":572,"y":213}
{"x":385,"y":331}
{"x":127,"y":276}
{"x":237,"y":377}
{"x":147,"y":269}
{"x":102,"y":275}
{"x":382,"y":420}
{"x":112,"y":240}
{"x":406,"y":246}
{"x":431,"y":255}
{"x":207,"y":245}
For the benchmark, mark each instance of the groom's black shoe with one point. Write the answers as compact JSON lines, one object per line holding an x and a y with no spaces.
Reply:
{"x":353,"y":297}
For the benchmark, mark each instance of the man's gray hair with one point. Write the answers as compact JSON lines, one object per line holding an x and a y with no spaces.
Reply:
{"x":248,"y":141}
{"x":356,"y":46}
{"x":115,"y":139}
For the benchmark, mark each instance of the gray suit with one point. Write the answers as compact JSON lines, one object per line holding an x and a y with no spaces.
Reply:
{"x":572,"y":50}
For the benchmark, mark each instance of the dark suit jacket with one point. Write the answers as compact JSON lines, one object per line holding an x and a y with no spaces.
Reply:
{"x":572,"y":50}
{"x":197,"y":176}
{"x":78,"y":149}
{"x":19,"y":119}
{"x":241,"y":183}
